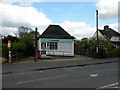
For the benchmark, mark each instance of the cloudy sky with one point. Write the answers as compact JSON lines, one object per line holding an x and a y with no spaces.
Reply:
{"x":77,"y":18}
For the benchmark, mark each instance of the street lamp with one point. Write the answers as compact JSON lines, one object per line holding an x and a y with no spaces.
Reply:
{"x":97,"y":47}
{"x":35,"y":44}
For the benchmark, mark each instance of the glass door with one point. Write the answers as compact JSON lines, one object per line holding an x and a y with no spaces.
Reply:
{"x":43,"y":47}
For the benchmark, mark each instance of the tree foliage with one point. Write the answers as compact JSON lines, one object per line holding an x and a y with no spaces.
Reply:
{"x":88,"y":46}
{"x":19,"y":46}
{"x":105,"y":46}
{"x":102,"y":42}
{"x":116,"y":50}
{"x":28,"y":40}
{"x":5,"y":50}
{"x":21,"y":43}
{"x":10,"y":37}
{"x":22,"y":31}
{"x":84,"y":43}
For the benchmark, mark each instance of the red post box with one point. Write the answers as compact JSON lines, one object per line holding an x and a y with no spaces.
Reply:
{"x":38,"y":54}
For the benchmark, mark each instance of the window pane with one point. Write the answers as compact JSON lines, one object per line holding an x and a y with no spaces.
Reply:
{"x":53,"y":45}
{"x":43,"y":45}
{"x":43,"y":52}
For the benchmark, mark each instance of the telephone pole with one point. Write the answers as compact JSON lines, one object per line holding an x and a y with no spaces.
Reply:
{"x":97,"y":48}
{"x":35,"y":44}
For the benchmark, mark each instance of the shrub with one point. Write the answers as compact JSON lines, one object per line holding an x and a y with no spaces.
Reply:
{"x":116,"y":50}
{"x":5,"y":51}
{"x":105,"y":47}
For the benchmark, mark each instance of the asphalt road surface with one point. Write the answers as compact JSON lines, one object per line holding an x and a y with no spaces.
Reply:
{"x":92,"y":76}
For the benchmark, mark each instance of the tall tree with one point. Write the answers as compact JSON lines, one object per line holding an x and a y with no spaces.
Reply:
{"x":105,"y":46}
{"x":9,"y":37}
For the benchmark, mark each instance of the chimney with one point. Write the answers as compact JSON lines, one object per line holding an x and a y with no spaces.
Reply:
{"x":106,"y":27}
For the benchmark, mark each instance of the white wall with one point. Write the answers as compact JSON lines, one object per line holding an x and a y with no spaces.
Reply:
{"x":67,"y":48}
{"x":39,"y":44}
{"x":64,"y":48}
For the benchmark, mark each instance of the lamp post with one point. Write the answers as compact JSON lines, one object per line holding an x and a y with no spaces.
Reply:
{"x":97,"y":47}
{"x":35,"y":59}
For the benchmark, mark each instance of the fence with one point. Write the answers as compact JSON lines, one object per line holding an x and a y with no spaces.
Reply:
{"x":17,"y":55}
{"x":85,"y":52}
{"x":20,"y":55}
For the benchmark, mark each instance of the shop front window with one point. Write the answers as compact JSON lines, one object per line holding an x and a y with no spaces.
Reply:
{"x":52,"y":45}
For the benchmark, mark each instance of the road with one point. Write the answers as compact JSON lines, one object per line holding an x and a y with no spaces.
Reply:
{"x":91,"y":76}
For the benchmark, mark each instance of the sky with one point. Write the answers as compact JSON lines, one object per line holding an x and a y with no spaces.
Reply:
{"x":78,"y":18}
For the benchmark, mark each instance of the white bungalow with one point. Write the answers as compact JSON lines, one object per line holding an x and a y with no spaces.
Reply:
{"x":56,"y":41}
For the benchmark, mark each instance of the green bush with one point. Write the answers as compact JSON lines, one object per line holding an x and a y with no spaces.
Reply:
{"x":19,"y":46}
{"x":116,"y":50}
{"x":102,"y":53}
{"x":5,"y":50}
{"x":105,"y":47}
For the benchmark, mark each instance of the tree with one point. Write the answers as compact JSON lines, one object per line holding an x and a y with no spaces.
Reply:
{"x":22,"y":31}
{"x":28,"y":40}
{"x":116,"y":50}
{"x":105,"y":46}
{"x":5,"y":50}
{"x":81,"y":46}
{"x":18,"y":47}
{"x":84,"y":43}
{"x":26,"y":35}
{"x":77,"y":46}
{"x":10,"y":37}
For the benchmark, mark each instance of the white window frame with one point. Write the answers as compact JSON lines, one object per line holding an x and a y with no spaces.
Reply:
{"x":54,"y":45}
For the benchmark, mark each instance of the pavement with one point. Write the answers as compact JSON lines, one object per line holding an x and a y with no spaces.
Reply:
{"x":28,"y":64}
{"x":47,"y":59}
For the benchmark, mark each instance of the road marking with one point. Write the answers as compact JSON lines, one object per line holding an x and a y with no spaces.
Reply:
{"x":93,"y":75}
{"x":108,"y":86}
{"x":24,"y":82}
{"x":41,"y":71}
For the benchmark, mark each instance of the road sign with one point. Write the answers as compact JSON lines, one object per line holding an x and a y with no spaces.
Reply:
{"x":9,"y":52}
{"x":9,"y":44}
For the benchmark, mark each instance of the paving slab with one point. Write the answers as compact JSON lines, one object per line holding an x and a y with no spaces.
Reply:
{"x":53,"y":64}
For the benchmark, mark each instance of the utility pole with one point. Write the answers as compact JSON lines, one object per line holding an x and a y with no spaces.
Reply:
{"x":97,"y":48}
{"x":35,"y":44}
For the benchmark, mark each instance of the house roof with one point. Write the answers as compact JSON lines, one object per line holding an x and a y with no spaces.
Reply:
{"x":109,"y":33}
{"x":57,"y":32}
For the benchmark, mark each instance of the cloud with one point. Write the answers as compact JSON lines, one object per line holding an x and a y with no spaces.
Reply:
{"x":108,"y":9}
{"x":114,"y":26}
{"x":22,"y":2}
{"x":78,"y":29}
{"x":81,"y":29}
{"x":8,"y":30}
{"x":15,"y":16}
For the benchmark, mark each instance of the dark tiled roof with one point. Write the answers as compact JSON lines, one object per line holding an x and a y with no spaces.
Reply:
{"x":57,"y":32}
{"x":109,"y":33}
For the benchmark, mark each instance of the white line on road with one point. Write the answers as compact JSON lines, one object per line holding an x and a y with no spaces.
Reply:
{"x":93,"y":75}
{"x":41,"y":79}
{"x":41,"y":71}
{"x":108,"y":86}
